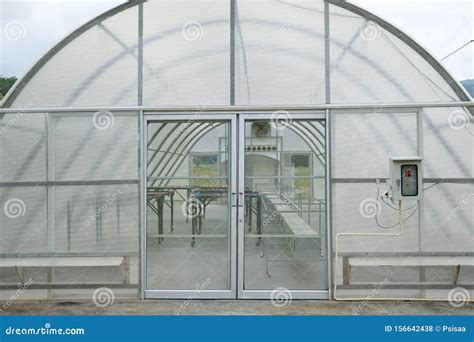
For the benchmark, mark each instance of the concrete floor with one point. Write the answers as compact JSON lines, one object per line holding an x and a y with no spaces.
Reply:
{"x":174,"y":265}
{"x":234,"y":307}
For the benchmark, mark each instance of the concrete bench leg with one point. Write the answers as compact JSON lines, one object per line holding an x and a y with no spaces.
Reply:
{"x":126,"y":270}
{"x":457,"y":270}
{"x":346,"y":271}
{"x":19,"y":272}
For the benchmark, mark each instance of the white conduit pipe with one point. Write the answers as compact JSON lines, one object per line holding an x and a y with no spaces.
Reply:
{"x":399,"y":233}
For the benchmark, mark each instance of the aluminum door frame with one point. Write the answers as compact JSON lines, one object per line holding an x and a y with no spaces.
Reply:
{"x":267,"y":294}
{"x":197,"y":293}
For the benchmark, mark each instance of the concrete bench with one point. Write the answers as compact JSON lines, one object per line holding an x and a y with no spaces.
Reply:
{"x":405,"y":260}
{"x":66,"y":261}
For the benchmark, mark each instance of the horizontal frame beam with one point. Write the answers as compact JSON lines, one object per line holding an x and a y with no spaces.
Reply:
{"x":66,"y":183}
{"x":418,"y":286}
{"x":67,"y":286}
{"x":136,"y":181}
{"x":403,"y":254}
{"x":69,"y":254}
{"x":200,"y":109}
{"x":425,"y":180}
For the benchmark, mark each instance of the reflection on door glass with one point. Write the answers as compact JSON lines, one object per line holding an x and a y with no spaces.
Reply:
{"x":188,"y":206}
{"x":285,"y":204}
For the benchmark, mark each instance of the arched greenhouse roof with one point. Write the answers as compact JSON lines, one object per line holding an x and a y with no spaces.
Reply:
{"x":235,"y":52}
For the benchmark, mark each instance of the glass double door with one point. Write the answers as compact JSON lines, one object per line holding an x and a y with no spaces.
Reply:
{"x":235,"y":206}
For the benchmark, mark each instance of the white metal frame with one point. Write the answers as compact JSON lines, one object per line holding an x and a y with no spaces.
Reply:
{"x":267,"y":294}
{"x":236,"y":247}
{"x":229,"y":293}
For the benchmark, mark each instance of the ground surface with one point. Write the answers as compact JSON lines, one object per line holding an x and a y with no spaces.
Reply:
{"x":233,"y":307}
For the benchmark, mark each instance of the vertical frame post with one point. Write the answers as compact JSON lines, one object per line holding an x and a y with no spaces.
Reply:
{"x":421,"y":205}
{"x":327,"y":54}
{"x":327,"y":73}
{"x":140,"y":54}
{"x":143,"y":194}
{"x":240,"y":213}
{"x":328,"y":125}
{"x":232,"y":52}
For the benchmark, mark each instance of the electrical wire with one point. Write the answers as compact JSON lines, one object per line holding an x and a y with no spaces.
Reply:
{"x":398,"y":223}
{"x":395,"y":208}
{"x":458,"y":49}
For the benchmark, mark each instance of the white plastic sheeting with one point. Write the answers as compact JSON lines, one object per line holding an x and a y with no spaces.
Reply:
{"x":275,"y":54}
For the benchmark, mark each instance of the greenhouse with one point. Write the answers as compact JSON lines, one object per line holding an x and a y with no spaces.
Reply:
{"x":237,"y":149}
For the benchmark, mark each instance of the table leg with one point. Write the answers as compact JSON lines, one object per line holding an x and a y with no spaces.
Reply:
{"x":200,"y":224}
{"x":259,"y":218}
{"x":187,"y":199}
{"x":193,"y":231}
{"x":160,"y":203}
{"x":172,"y":211}
{"x":249,"y":215}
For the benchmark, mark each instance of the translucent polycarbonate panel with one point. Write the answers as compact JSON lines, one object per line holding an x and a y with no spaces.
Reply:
{"x":188,"y":205}
{"x":363,"y":143}
{"x":23,"y":220}
{"x":377,"y":66}
{"x":78,"y":208}
{"x":373,"y":251}
{"x":94,"y":146}
{"x":448,"y":143}
{"x":22,"y":147}
{"x":285,"y":203}
{"x":449,"y":218}
{"x":96,"y":218}
{"x":355,"y":206}
{"x":279,"y":52}
{"x":186,"y":52}
{"x":97,"y":68}
{"x":276,"y":56}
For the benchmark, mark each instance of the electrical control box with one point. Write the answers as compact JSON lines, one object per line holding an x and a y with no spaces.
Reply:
{"x":406,"y":178}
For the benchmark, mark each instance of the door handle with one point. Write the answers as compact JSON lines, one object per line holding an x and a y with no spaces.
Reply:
{"x":241,"y":199}
{"x":233,"y":199}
